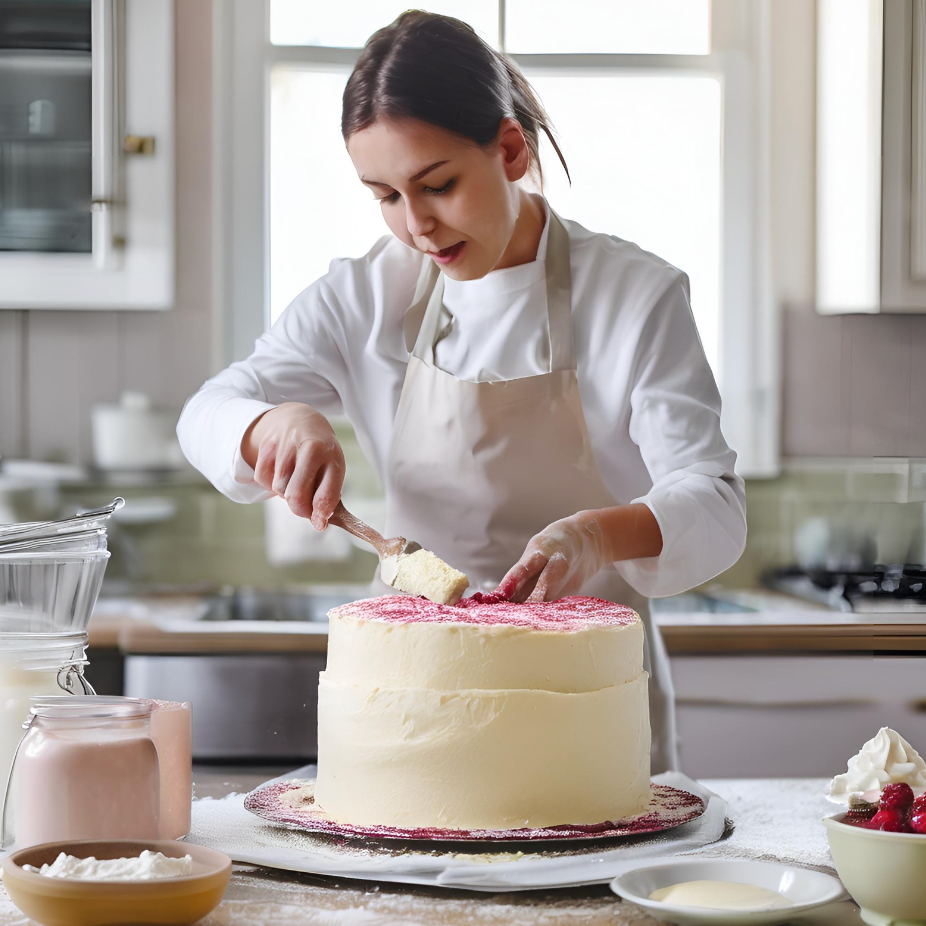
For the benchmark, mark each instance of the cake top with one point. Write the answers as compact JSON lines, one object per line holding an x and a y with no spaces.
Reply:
{"x":565,"y":614}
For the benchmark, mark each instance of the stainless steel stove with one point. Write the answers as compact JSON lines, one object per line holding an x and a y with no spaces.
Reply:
{"x":895,"y":587}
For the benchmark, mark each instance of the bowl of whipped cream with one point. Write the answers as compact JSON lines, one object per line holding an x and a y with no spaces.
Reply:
{"x":878,"y":842}
{"x":94,"y":883}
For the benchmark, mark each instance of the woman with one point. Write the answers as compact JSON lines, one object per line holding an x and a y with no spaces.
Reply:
{"x":533,"y":395}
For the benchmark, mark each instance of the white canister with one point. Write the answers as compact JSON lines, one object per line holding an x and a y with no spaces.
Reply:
{"x":31,"y":665}
{"x":133,"y":435}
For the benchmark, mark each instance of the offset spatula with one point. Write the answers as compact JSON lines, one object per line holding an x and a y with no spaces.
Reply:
{"x":391,"y":546}
{"x":404,"y":564}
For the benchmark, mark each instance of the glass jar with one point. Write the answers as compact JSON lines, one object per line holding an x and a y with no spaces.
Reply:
{"x":34,"y":664}
{"x":172,"y":732}
{"x":87,"y":768}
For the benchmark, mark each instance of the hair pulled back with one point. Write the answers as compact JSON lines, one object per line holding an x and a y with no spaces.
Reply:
{"x":437,"y":69}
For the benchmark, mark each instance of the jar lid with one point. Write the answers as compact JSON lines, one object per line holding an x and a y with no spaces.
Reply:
{"x":89,"y":707}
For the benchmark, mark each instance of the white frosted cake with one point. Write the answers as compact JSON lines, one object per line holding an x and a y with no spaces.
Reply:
{"x":483,"y":715}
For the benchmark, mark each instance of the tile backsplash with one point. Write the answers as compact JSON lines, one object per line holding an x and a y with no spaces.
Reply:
{"x":186,"y":533}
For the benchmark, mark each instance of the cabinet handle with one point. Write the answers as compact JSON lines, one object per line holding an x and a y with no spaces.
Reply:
{"x":138,"y":144}
{"x":105,"y":79}
{"x":777,"y":705}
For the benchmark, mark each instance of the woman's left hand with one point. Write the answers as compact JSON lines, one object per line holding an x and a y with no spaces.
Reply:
{"x":558,"y":561}
{"x":564,"y":556}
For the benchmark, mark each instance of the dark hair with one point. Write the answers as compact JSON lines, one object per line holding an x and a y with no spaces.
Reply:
{"x":436,"y":68}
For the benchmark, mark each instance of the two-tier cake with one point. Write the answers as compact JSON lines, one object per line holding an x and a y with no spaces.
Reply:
{"x":483,"y":715}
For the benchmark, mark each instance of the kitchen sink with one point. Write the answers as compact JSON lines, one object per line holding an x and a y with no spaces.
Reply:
{"x":259,"y":705}
{"x":253,"y":604}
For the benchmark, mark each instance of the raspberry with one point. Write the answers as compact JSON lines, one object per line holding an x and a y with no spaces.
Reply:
{"x":918,"y":823}
{"x":891,"y":821}
{"x":919,"y":805}
{"x":897,"y":796}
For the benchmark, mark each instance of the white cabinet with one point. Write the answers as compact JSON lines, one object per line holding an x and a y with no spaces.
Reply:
{"x":792,"y":716}
{"x":871,"y":156}
{"x":87,"y":155}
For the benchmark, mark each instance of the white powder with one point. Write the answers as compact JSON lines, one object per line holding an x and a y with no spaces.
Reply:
{"x":148,"y":866}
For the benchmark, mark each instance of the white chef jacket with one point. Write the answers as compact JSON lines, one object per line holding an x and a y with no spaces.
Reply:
{"x":648,"y":394}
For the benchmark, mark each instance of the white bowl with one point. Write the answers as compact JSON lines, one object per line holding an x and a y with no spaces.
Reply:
{"x":805,"y":889}
{"x":884,"y":872}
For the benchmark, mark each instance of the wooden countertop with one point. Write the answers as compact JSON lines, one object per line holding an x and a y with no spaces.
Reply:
{"x":170,"y":625}
{"x":764,"y":633}
{"x":684,"y":634}
{"x":267,"y":897}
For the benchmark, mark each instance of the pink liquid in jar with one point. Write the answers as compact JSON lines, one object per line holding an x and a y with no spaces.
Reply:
{"x":86,"y":772}
{"x":171,"y":730}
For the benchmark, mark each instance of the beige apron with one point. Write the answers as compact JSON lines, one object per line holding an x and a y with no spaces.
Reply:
{"x":476,"y":469}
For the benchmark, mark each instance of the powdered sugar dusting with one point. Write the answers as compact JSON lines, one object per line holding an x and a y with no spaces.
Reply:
{"x":565,"y":615}
{"x":292,"y":803}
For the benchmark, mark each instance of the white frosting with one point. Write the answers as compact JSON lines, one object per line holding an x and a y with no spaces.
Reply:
{"x":451,"y":657}
{"x":885,"y":759}
{"x":482,"y":726}
{"x":720,"y":895}
{"x":148,"y":866}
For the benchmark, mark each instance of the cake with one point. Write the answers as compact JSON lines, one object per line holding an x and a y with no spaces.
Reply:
{"x":424,"y":573}
{"x":483,"y":715}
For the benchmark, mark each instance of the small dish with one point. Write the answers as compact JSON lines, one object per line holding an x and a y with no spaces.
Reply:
{"x":158,"y":902}
{"x":805,"y":889}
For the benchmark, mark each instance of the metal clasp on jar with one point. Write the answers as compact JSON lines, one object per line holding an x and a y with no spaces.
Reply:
{"x":71,"y":678}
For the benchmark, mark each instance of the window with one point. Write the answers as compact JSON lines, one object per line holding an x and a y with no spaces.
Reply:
{"x":656,"y":105}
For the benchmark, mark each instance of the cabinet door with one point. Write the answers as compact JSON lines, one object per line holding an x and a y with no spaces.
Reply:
{"x":871,"y":156}
{"x":903,"y":181}
{"x":792,"y":716}
{"x":86,"y":154}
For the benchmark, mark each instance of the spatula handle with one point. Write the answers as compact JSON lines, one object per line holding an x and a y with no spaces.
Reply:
{"x":341,"y":517}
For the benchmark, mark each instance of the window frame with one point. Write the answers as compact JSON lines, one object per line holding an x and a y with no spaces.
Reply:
{"x":749,"y":348}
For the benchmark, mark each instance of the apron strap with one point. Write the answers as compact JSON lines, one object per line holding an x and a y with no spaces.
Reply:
{"x":559,"y":296}
{"x":414,"y":314}
{"x":422,"y":321}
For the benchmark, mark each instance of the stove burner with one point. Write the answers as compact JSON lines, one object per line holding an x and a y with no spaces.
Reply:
{"x":897,"y":581}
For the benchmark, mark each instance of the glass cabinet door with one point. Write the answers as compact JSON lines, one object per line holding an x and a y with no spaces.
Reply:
{"x":45,"y":126}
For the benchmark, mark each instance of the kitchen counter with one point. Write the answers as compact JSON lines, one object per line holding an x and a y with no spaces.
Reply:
{"x":260,"y":897}
{"x":792,"y":632}
{"x":142,"y":630}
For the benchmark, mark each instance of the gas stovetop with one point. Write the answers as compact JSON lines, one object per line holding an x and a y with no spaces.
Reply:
{"x":882,"y":588}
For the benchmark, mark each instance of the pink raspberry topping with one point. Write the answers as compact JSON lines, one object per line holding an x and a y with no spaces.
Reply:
{"x":566,"y":614}
{"x":896,"y":796}
{"x":890,"y":821}
{"x":918,"y":823}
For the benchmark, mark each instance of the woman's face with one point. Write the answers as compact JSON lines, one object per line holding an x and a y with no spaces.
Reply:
{"x":446,"y":196}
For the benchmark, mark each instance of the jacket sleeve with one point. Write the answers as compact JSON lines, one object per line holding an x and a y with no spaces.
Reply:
{"x":696,"y":497}
{"x":297,"y":360}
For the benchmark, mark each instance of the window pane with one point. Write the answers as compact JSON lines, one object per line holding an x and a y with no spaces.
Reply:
{"x":318,"y":208}
{"x":313,"y":22}
{"x":644,"y":154}
{"x":643,"y":27}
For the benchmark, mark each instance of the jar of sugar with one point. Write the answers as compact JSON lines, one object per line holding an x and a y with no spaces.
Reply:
{"x":87,"y":768}
{"x":34,"y":664}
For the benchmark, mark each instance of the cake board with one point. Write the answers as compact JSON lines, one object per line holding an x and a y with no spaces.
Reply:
{"x":226,"y":825}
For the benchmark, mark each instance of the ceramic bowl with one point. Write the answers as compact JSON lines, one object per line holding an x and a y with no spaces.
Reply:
{"x":805,"y":889}
{"x":159,"y":902}
{"x":884,"y":872}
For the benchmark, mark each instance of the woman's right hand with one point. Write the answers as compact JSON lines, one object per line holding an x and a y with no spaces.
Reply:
{"x":294,"y":453}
